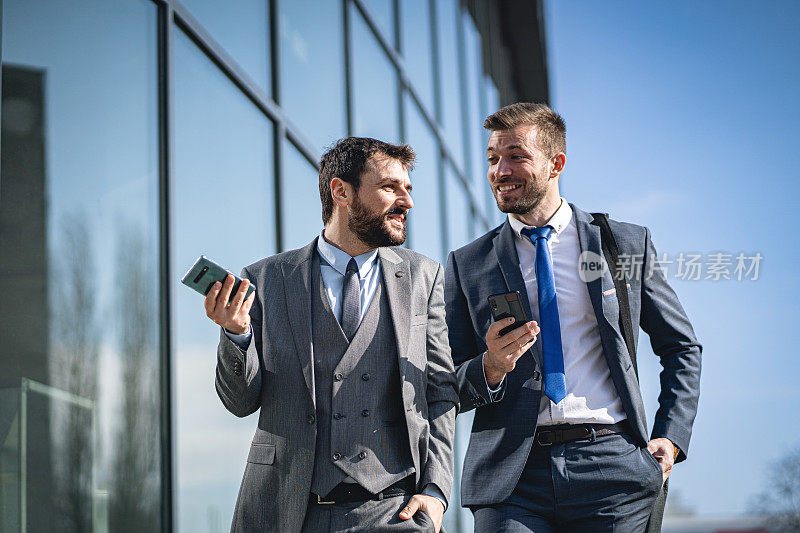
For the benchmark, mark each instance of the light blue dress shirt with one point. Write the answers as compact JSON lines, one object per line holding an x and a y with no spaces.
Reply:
{"x":333,"y":266}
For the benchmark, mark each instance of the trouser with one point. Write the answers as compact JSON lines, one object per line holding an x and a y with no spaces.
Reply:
{"x":377,"y":516}
{"x":609,"y":484}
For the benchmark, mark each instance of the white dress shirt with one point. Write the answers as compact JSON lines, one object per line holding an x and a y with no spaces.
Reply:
{"x":591,"y":395}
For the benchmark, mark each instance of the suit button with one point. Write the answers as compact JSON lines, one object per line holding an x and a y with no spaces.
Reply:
{"x":338,"y":416}
{"x":311,"y":419}
{"x":536,"y":375}
{"x":338,"y":376}
{"x":336,"y":456}
{"x":362,"y":455}
{"x":365,"y":377}
{"x":365,"y":412}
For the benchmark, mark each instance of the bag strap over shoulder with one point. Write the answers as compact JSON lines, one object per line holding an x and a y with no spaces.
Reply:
{"x":611,"y":253}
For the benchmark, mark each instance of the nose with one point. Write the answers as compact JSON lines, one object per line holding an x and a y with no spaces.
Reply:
{"x":502,"y":168}
{"x":404,"y":200}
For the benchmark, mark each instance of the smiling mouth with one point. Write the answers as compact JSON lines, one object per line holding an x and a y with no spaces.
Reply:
{"x":507,"y":188}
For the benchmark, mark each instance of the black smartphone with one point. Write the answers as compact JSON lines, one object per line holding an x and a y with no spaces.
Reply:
{"x":205,"y":272}
{"x":508,"y":304}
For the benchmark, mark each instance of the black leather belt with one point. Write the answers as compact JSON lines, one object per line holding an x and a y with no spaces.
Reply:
{"x":561,"y":433}
{"x":353,"y":492}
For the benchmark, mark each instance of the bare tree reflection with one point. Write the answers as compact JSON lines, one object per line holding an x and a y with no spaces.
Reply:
{"x":75,"y":339}
{"x":135,"y":471}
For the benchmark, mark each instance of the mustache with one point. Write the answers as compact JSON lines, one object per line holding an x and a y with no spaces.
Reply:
{"x":396,"y":211}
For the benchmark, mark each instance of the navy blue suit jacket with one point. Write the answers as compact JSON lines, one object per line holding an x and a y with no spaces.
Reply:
{"x":503,"y":430}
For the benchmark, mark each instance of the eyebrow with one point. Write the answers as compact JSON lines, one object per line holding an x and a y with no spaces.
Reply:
{"x":385,"y":181}
{"x":509,"y":147}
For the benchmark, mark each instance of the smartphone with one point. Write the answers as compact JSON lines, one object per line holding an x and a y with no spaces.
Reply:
{"x":205,"y":272}
{"x":508,"y":304}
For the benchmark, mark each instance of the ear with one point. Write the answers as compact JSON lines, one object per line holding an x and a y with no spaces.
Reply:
{"x":559,"y":161}
{"x":342,"y":192}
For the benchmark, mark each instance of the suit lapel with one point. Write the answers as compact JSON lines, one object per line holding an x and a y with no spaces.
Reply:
{"x":589,"y":237}
{"x":396,"y":274}
{"x":507,"y":258}
{"x":297,"y":288}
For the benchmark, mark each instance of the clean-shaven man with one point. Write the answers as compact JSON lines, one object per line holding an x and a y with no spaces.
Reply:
{"x":559,"y":440}
{"x":343,"y":351}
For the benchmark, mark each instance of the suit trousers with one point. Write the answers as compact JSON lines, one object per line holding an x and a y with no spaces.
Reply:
{"x":379,"y":516}
{"x":609,"y":484}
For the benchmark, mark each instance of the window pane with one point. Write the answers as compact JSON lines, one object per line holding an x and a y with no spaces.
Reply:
{"x":382,"y":12}
{"x":417,"y":48}
{"x":242,"y":29}
{"x":472,"y":91}
{"x":79,"y":370}
{"x":459,"y":216}
{"x":425,"y":218}
{"x":300,"y":204}
{"x":374,"y":85}
{"x":312,"y":67}
{"x":223,"y":207}
{"x":447,"y":13}
{"x":495,"y":216}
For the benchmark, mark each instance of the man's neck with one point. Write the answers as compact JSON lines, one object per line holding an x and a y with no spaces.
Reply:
{"x":345,"y":240}
{"x":541,"y":214}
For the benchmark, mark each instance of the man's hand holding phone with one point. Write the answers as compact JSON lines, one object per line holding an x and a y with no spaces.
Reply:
{"x":234,"y":317}
{"x":503,"y":351}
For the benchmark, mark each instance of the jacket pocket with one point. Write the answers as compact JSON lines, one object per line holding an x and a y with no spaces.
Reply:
{"x":261,"y":454}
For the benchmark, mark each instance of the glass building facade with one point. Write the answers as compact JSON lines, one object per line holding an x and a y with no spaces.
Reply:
{"x":139,"y":134}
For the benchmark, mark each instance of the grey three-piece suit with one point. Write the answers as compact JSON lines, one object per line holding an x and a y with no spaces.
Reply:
{"x":374,"y":410}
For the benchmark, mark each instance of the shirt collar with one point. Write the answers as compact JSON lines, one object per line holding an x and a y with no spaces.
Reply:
{"x":559,"y":221}
{"x":338,"y":259}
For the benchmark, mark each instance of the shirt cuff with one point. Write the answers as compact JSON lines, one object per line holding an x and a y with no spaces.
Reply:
{"x":492,"y":392}
{"x":242,"y":341}
{"x":432,"y":490}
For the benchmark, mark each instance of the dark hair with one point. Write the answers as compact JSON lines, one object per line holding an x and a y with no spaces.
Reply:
{"x":551,"y":131}
{"x":347,"y":159}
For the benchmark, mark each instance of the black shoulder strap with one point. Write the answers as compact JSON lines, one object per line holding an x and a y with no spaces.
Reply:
{"x":611,"y":253}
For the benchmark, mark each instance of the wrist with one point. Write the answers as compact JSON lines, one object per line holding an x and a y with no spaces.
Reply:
{"x":493,"y":376}
{"x":238,"y":331}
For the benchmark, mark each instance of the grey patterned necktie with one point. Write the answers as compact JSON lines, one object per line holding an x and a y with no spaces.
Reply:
{"x":351,"y":300}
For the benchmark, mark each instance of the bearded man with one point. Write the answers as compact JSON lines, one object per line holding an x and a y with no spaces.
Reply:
{"x":559,"y":440}
{"x":343,"y":350}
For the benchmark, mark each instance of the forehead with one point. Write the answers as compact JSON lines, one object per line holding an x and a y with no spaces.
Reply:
{"x":380,"y":167}
{"x":524,"y":136}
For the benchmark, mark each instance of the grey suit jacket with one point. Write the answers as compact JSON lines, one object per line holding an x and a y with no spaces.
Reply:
{"x":503,"y":430}
{"x":275,"y":377}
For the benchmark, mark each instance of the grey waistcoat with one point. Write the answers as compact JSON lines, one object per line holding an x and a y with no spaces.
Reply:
{"x":361,"y":429}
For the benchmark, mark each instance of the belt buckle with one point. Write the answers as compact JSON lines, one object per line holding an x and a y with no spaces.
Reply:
{"x":320,"y":501}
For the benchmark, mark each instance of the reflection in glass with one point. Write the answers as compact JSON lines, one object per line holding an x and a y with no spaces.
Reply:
{"x":242,"y":29}
{"x":447,"y":16}
{"x":300,"y":204}
{"x":418,"y":48}
{"x":425,"y":218}
{"x":374,"y":85}
{"x":312,"y":67}
{"x":223,"y":208}
{"x":78,"y":208}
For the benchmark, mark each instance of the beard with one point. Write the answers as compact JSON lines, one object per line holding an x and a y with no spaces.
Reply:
{"x":529,"y":197}
{"x":373,"y":229}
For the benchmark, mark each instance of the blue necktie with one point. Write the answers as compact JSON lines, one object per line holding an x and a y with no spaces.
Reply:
{"x":555,"y":382}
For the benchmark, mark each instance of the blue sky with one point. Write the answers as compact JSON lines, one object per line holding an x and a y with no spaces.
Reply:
{"x":683,"y":117}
